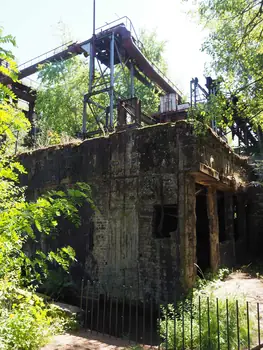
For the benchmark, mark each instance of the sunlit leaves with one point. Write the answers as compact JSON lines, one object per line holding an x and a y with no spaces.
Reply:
{"x":25,"y":320}
{"x":21,"y":220}
{"x":236,"y":47}
{"x":59,"y":102}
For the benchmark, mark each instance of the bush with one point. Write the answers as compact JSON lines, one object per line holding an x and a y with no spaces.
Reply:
{"x":26,"y":322}
{"x":204,"y":322}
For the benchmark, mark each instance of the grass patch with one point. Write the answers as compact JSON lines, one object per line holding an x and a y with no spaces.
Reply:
{"x":204,"y":321}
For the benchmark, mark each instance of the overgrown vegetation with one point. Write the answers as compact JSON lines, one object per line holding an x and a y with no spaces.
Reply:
{"x":203,"y":320}
{"x":235,"y":46}
{"x":26,"y":321}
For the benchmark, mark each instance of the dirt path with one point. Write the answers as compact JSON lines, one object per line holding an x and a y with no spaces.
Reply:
{"x":238,"y":284}
{"x":83,"y":340}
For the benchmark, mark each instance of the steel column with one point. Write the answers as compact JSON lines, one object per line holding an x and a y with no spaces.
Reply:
{"x":84,"y":117}
{"x":94,"y":16}
{"x":111,"y":93}
{"x":191,"y":93}
{"x":132,"y":80}
{"x":91,"y":67}
{"x":195,"y":90}
{"x":92,"y":52}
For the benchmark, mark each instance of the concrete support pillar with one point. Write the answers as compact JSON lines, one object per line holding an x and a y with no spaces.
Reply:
{"x":187,"y":229}
{"x":213,"y":228}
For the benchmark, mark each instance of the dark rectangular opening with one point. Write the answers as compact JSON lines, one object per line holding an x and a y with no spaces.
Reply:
{"x":165,"y":220}
{"x":221,"y":216}
{"x":235,"y":218}
{"x":202,"y":229}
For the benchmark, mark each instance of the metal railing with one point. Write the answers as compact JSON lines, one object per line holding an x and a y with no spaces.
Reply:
{"x":44,"y":56}
{"x":128,"y":24}
{"x":198,"y":322}
{"x":30,"y":83}
{"x":122,"y":20}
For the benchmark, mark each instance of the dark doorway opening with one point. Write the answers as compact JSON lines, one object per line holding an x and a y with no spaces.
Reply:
{"x":202,"y":229}
{"x":235,"y":217}
{"x":221,"y":216}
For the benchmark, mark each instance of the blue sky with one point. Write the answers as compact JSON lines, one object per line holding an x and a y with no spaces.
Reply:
{"x":37,"y":27}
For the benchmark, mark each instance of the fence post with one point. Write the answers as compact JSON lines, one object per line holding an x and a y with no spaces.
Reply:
{"x":98,"y":307}
{"x":208,"y":321}
{"x":130,"y":294}
{"x":87,"y":307}
{"x":143,"y":317}
{"x":248,"y":330}
{"x":200,"y":320}
{"x":81,"y":293}
{"x":227,"y":325}
{"x":116,"y":316}
{"x":174,"y":317}
{"x":218,"y":324}
{"x":123,"y":312}
{"x":92,"y":307}
{"x":238,"y":336}
{"x":258,"y":323}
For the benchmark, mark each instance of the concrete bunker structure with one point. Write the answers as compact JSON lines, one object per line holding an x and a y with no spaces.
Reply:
{"x":167,"y":199}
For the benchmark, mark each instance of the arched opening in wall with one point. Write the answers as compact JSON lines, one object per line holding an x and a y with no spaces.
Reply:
{"x":202,"y":229}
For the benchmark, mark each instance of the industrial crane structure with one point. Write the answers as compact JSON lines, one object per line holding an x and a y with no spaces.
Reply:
{"x":117,"y":44}
{"x":113,"y":44}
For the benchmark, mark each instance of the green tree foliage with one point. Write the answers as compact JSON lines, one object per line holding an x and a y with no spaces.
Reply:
{"x":236,"y":48}
{"x":25,"y":321}
{"x":59,"y":104}
{"x":6,"y":56}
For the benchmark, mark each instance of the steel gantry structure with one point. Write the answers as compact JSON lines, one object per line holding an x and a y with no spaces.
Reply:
{"x":241,"y":127}
{"x":113,"y":44}
{"x":118,"y":44}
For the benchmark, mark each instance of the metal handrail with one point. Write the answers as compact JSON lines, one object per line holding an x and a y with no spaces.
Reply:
{"x":44,"y":56}
{"x":165,"y":77}
{"x":128,"y":23}
{"x":30,"y":83}
{"x":127,"y":20}
{"x":140,"y":46}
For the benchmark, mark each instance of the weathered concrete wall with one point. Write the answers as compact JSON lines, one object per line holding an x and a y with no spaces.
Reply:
{"x":214,"y":152}
{"x":131,"y":172}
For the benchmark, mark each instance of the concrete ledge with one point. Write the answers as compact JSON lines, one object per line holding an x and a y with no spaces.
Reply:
{"x":209,"y":171}
{"x":208,"y":176}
